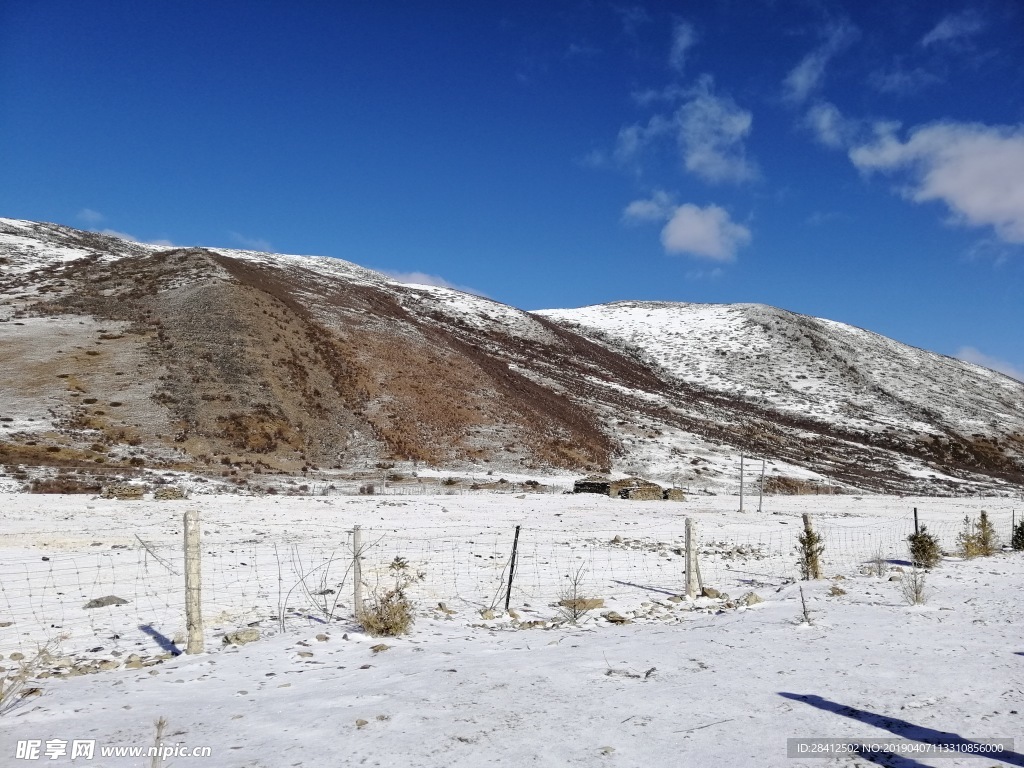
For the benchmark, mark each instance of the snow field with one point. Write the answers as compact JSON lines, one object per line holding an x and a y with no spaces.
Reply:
{"x":721,"y":687}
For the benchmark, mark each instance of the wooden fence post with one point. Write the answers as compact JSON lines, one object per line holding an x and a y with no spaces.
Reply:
{"x":691,"y":559}
{"x":357,"y":571}
{"x":193,"y":583}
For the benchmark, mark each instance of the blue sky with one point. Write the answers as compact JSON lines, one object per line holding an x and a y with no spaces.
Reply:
{"x":857,"y":161}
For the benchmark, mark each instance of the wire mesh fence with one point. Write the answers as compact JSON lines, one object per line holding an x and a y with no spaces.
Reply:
{"x":278,"y":574}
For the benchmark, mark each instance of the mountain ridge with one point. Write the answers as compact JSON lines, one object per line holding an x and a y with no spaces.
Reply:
{"x":271,"y":363}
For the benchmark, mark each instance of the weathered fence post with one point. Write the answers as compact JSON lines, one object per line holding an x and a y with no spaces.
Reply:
{"x":357,"y":571}
{"x":811,"y":549}
{"x":512,"y":569}
{"x":741,"y":482}
{"x":760,"y":490}
{"x":691,"y":559}
{"x":193,"y":583}
{"x":916,"y":529}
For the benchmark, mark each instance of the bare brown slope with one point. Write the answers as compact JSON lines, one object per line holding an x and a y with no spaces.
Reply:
{"x":232,"y":361}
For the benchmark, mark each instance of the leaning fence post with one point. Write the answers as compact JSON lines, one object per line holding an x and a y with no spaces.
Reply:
{"x":511,"y":569}
{"x":691,"y":559}
{"x":357,"y":571}
{"x":193,"y":583}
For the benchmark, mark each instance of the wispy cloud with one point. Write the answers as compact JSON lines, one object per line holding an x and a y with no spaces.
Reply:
{"x":133,"y":238}
{"x":972,"y":355}
{"x":976,"y":170}
{"x":829,"y":126}
{"x":657,"y":208}
{"x":89,"y":216}
{"x":252,"y":243}
{"x":711,"y":133}
{"x":684,"y":37}
{"x":707,"y":233}
{"x":902,"y":82}
{"x":807,"y":76}
{"x":422,"y":278}
{"x":633,"y":17}
{"x":954,"y":28}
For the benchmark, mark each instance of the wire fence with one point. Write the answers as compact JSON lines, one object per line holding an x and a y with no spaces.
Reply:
{"x":275,"y":575}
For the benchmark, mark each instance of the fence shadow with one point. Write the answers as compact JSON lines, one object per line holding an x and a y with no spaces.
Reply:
{"x":902,"y":728}
{"x":648,"y":587}
{"x":162,"y":640}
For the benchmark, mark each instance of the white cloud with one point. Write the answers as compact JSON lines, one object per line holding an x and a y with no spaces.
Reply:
{"x":252,"y":243}
{"x":711,"y":131}
{"x":422,"y":278}
{"x":954,"y":27}
{"x":808,"y":76}
{"x":704,"y":232}
{"x":972,"y":355}
{"x":683,"y":38}
{"x":976,"y":170}
{"x":658,"y":208}
{"x":89,"y":216}
{"x":829,"y":126}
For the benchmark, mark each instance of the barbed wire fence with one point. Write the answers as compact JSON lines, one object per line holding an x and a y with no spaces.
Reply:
{"x":130,"y":598}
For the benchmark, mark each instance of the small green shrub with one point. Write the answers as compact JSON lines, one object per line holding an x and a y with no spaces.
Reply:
{"x":1017,"y":542}
{"x":924,"y":549}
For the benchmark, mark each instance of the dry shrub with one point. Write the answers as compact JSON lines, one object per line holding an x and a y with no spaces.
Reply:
{"x":14,"y":683}
{"x":977,"y":539}
{"x":65,"y":484}
{"x":391,"y":613}
{"x":912,"y":586}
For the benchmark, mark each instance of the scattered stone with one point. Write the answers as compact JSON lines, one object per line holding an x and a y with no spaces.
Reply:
{"x":379,"y":647}
{"x":305,"y":654}
{"x":445,"y":609}
{"x":103,"y":602}
{"x":108,"y":664}
{"x":676,"y":599}
{"x":6,"y":623}
{"x":124,"y":492}
{"x":242,"y":636}
{"x":607,"y":750}
{"x":169,"y":493}
{"x":836,"y":591}
{"x":487,"y":614}
{"x":580,"y":604}
{"x":322,"y":637}
{"x":536,"y":624}
{"x":614,"y":618}
{"x":360,"y":723}
{"x":895,"y":577}
{"x":751,"y":598}
{"x":16,"y":656}
{"x":711,"y":592}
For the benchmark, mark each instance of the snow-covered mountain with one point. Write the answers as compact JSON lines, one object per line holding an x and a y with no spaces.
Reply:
{"x":245,"y":362}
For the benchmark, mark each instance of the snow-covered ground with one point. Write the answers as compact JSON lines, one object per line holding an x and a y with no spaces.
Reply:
{"x":705,"y":682}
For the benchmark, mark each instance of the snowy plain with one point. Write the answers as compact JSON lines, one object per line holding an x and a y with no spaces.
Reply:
{"x":709,"y":682}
